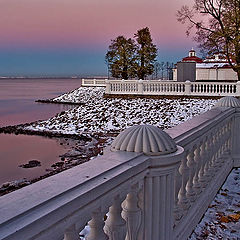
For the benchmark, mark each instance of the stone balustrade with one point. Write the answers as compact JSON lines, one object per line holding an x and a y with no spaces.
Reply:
{"x":94,"y":82}
{"x":149,"y":185}
{"x":169,"y":88}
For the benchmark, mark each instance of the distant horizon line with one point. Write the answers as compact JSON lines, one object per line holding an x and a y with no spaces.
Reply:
{"x":55,"y":76}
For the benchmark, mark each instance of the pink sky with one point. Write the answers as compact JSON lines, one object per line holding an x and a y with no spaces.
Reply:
{"x":88,"y":22}
{"x":89,"y":25}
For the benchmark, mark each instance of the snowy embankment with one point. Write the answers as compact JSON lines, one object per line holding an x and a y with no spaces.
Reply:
{"x":99,"y":115}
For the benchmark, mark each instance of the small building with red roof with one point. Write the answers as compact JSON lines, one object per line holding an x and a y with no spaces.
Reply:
{"x":192,"y":57}
{"x":213,"y":68}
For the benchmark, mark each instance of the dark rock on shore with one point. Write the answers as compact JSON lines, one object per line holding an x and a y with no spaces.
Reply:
{"x":31,"y":164}
{"x":19,"y":129}
{"x":13,"y":185}
{"x":57,"y":102}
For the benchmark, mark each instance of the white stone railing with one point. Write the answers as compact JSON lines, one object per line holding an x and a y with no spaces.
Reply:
{"x":144,"y":196}
{"x":172,"y":88}
{"x":94,"y":82}
{"x":168,"y":88}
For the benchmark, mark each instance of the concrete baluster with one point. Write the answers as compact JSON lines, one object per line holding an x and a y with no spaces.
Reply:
{"x":190,"y":163}
{"x":83,"y":81}
{"x":223,"y":147}
{"x":71,"y":233}
{"x":197,"y":159}
{"x":221,"y":138}
{"x":187,"y":88}
{"x":213,"y":149}
{"x":229,"y":134}
{"x":115,"y":226}
{"x":108,"y":86}
{"x":140,"y":86}
{"x":215,"y":145}
{"x":96,"y":226}
{"x":202,"y":178}
{"x":178,"y":212}
{"x":132,"y":215}
{"x":184,"y":171}
{"x":220,"y":153}
{"x":210,"y":152}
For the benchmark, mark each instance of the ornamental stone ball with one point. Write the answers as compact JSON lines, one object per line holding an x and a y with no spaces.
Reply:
{"x":147,"y":139}
{"x":228,"y":102}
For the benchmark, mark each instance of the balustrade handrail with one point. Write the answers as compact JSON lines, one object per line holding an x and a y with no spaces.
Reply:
{"x":56,"y":193}
{"x":166,"y":87}
{"x":61,"y":205}
{"x":185,"y":133}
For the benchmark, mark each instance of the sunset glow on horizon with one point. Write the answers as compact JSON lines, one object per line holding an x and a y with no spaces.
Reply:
{"x":66,"y":31}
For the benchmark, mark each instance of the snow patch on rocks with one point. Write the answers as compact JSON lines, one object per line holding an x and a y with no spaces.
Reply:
{"x":100,"y":115}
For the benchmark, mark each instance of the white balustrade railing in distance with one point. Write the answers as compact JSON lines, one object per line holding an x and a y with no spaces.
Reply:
{"x":93,"y":82}
{"x":168,"y":88}
{"x":172,"y":88}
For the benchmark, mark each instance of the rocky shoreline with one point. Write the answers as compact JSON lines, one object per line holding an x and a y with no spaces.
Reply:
{"x":79,"y":149}
{"x":57,"y":102}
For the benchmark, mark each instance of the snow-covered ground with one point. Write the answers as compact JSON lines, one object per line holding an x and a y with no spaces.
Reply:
{"x":97,"y":114}
{"x":222,"y":219}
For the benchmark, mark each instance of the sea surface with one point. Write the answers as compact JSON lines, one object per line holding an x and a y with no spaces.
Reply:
{"x":17,"y":106}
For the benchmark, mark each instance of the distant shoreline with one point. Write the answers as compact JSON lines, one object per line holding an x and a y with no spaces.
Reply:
{"x":67,"y":77}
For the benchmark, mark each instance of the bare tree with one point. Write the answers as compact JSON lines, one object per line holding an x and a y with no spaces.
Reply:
{"x":217,"y":27}
{"x":156,"y":69}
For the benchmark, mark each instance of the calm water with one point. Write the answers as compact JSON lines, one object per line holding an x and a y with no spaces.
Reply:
{"x":17,"y":98}
{"x":17,"y":105}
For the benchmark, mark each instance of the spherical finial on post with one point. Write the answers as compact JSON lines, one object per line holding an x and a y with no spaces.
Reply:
{"x":147,"y":139}
{"x":228,"y":102}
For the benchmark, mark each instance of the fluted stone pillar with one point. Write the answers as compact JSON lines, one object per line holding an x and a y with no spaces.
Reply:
{"x":159,"y":184}
{"x":159,"y":196}
{"x":140,"y":86}
{"x":108,"y":86}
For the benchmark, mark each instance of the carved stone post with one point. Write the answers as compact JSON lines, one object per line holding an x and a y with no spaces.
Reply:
{"x":140,"y":86}
{"x":96,"y":226}
{"x":132,"y":214}
{"x":184,"y":171}
{"x":191,"y":164}
{"x":108,"y":86}
{"x":164,"y":160}
{"x":159,"y":196}
{"x":197,"y":159}
{"x":178,"y":211}
{"x":115,"y":226}
{"x":203,"y":154}
{"x":187,"y":88}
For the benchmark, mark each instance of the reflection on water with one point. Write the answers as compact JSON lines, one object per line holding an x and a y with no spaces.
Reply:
{"x":19,"y":149}
{"x":17,"y":105}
